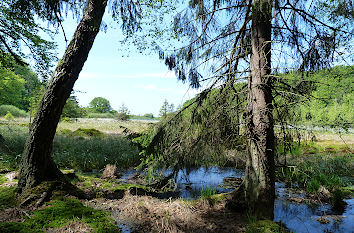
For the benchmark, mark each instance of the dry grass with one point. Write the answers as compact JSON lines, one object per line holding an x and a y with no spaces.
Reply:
{"x":109,"y":126}
{"x":147,"y":214}
{"x":347,"y":138}
{"x":72,"y":227}
{"x":106,"y":125}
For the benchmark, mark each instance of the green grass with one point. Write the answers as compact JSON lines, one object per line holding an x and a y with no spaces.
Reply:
{"x":83,"y":149}
{"x":207,"y":192}
{"x":313,"y":171}
{"x":59,"y":213}
{"x":93,"y":153}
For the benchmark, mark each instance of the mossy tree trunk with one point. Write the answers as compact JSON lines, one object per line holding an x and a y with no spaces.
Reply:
{"x":37,"y":164}
{"x":260,"y":168}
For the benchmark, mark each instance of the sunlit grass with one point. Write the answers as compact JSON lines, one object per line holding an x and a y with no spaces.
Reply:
{"x":88,"y":148}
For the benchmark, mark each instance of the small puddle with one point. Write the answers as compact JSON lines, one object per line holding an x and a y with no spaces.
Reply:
{"x":298,"y":217}
{"x":191,"y":182}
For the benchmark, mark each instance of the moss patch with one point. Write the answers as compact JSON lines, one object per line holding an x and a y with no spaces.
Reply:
{"x":87,"y":132}
{"x":7,"y":197}
{"x":265,"y":226}
{"x":59,"y":213}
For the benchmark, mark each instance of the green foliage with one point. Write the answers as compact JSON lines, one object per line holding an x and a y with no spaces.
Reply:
{"x":24,"y":91}
{"x":100,"y":105}
{"x":32,"y":85}
{"x":72,"y":108}
{"x":202,"y":134}
{"x":35,"y":99}
{"x":20,"y":31}
{"x":148,"y":115}
{"x":59,"y":213}
{"x":166,"y":108}
{"x":16,"y":112}
{"x":12,"y":87}
{"x":9,"y":116}
{"x":332,"y":102}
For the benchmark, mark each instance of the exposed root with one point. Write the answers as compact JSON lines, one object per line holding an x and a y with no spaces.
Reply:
{"x":35,"y":197}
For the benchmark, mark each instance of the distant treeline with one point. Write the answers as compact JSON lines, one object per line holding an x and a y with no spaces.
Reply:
{"x":324,"y":98}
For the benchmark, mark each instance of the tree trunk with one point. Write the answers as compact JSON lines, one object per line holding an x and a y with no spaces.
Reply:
{"x":260,"y":174}
{"x":37,"y":164}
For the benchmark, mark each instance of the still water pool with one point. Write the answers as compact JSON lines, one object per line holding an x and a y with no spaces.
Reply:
{"x":298,"y":217}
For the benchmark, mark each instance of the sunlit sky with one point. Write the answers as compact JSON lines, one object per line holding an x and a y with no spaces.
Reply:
{"x":140,"y":82}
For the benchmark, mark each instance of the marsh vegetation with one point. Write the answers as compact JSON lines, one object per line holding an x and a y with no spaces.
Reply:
{"x":129,"y":202}
{"x":269,"y":134}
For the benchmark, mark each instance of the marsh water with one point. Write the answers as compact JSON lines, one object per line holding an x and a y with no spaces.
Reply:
{"x":298,"y":217}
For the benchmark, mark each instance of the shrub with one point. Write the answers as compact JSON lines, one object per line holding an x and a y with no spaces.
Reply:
{"x":149,"y":115}
{"x":122,"y":116}
{"x":9,"y":116}
{"x":15,"y":111}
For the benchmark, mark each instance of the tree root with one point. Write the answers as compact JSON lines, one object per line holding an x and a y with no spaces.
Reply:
{"x":37,"y":196}
{"x":236,"y":200}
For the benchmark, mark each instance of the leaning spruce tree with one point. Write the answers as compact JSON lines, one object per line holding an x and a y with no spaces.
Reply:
{"x":37,"y":164}
{"x":253,"y":41}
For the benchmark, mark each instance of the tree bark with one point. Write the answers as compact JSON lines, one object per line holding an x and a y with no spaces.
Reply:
{"x":37,"y":164}
{"x":260,"y":173}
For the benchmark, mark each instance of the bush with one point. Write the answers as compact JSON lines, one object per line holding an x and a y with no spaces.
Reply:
{"x":149,"y":115}
{"x":15,"y":111}
{"x":122,"y":116}
{"x":9,"y":116}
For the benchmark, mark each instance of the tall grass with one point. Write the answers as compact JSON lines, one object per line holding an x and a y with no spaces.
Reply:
{"x":313,"y":171}
{"x":207,"y":192}
{"x":87,"y":153}
{"x":76,"y":152}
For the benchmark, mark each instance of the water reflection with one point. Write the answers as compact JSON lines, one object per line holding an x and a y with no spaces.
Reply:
{"x":298,"y":217}
{"x":191,"y":182}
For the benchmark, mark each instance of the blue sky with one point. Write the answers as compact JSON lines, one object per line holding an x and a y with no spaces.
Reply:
{"x":140,"y":82}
